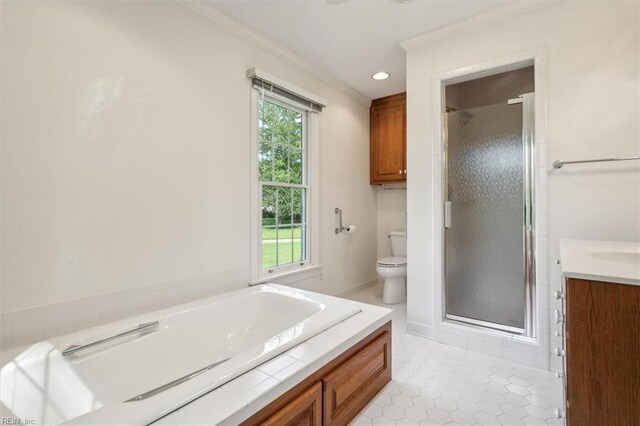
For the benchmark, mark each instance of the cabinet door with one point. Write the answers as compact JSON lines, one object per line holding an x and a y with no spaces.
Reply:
{"x":388,"y":136}
{"x":349,"y":387}
{"x":603,"y":342}
{"x":304,"y":410}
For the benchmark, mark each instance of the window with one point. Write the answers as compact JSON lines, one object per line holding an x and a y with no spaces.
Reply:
{"x":284,"y":190}
{"x":285,"y":177}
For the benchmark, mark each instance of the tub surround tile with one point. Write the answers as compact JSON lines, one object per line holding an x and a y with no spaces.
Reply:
{"x":273,"y":366}
{"x":7,"y":335}
{"x":29,"y":330}
{"x":32,"y":324}
{"x":302,"y":350}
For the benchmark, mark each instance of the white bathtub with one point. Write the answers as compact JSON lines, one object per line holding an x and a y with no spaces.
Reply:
{"x":91,"y":386}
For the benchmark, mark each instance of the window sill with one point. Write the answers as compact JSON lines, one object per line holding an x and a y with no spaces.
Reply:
{"x":308,"y":271}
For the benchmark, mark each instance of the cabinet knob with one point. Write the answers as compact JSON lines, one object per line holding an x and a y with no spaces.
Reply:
{"x":559,"y":316}
{"x":559,"y":294}
{"x":559,"y":333}
{"x":559,"y":374}
{"x":405,"y":171}
{"x":558,"y":352}
{"x":558,"y":413}
{"x":399,"y":172}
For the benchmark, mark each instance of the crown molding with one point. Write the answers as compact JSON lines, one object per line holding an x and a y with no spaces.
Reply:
{"x":473,"y":22}
{"x":207,"y":10}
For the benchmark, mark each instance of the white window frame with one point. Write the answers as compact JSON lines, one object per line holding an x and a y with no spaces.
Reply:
{"x":311,"y":147}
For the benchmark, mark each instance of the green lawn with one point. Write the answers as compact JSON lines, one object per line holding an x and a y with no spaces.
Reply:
{"x":270,"y":233}
{"x":284,"y":247}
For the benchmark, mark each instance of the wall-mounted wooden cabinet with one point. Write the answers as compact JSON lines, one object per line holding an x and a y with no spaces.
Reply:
{"x":389,"y":139}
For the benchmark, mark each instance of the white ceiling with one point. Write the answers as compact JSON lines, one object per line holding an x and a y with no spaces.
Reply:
{"x":352,"y":40}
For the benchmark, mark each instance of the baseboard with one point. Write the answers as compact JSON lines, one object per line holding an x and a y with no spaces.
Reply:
{"x":357,"y":287}
{"x":420,"y":330}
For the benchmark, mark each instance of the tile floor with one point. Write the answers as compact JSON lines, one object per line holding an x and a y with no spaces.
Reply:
{"x":438,"y":384}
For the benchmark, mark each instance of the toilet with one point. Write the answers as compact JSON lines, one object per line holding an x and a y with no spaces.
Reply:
{"x":394,"y":269}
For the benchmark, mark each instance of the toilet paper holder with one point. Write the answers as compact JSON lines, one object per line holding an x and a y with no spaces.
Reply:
{"x":349,"y":229}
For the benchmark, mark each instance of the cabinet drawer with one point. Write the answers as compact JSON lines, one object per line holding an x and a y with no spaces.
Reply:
{"x":304,"y":410}
{"x":349,"y":387}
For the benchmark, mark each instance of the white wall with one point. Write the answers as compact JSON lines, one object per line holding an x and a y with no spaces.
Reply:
{"x":392,"y":209}
{"x":592,"y":110}
{"x":126,"y":155}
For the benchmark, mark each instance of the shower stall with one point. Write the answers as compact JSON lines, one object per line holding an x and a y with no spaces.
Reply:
{"x":489,"y":262}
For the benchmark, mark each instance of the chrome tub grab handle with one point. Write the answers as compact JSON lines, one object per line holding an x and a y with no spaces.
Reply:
{"x":176,"y":382}
{"x":147,"y":326}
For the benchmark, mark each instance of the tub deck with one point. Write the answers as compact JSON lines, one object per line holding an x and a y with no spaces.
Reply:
{"x":244,"y":328}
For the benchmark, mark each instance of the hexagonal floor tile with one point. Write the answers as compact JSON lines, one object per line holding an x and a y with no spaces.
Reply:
{"x":537,"y":412}
{"x":490,"y":407}
{"x":517,"y":389}
{"x":382,"y":400}
{"x":423,"y":402}
{"x":467,"y":406}
{"x":372,"y":411}
{"x":417,"y":414}
{"x":508,"y":420}
{"x":513,"y":410}
{"x":486,"y":419}
{"x":462,"y":418}
{"x":445,"y":404}
{"x":430,"y":392}
{"x":439,"y":416}
{"x":402,"y":401}
{"x":393,"y":412}
{"x":492,"y":396}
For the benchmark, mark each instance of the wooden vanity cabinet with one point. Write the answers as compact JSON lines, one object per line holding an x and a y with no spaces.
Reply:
{"x":337,"y":392}
{"x":388,"y":139}
{"x":602,"y":331}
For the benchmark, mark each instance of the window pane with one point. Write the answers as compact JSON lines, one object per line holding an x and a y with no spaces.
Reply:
{"x":265,"y":122}
{"x":265,"y":162}
{"x":298,"y":205}
{"x":298,"y":246}
{"x":268,"y":205}
{"x":296,"y":129}
{"x":284,"y":200}
{"x":285,"y":245}
{"x":281,"y":164}
{"x":280,"y":135}
{"x":296,"y":168}
{"x":269,"y":247}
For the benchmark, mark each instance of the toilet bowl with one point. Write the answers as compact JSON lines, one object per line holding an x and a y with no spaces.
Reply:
{"x":394,"y":270}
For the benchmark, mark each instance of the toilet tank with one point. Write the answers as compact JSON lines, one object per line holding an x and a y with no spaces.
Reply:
{"x":398,"y":243}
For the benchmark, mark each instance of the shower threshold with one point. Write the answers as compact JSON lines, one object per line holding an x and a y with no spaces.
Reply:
{"x":485,"y":324}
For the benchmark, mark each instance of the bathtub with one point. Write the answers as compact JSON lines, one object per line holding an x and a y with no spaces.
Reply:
{"x":179,"y":354}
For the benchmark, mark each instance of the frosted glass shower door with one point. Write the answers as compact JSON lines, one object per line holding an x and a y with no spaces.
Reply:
{"x":484,"y":243}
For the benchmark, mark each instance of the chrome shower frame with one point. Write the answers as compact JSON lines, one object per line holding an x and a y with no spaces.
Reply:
{"x":527,"y":101}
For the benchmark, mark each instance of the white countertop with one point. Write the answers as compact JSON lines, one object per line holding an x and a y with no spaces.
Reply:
{"x":609,"y":261}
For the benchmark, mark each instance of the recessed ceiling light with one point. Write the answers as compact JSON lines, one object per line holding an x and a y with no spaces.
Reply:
{"x":382,"y":75}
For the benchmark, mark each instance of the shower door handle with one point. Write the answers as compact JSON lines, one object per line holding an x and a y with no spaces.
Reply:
{"x":447,"y":214}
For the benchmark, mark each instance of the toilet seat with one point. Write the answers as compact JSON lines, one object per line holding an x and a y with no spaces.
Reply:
{"x":390,"y":262}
